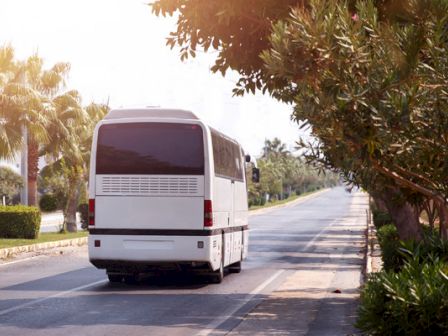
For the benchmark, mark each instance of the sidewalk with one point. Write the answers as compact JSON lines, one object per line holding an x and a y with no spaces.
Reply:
{"x":318,"y":299}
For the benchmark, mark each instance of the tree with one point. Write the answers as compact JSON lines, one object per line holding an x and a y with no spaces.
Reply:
{"x":274,"y":148}
{"x":47,"y":83}
{"x":10,"y":183}
{"x":20,"y":106}
{"x":26,"y":105}
{"x":69,"y":147}
{"x":238,"y":30}
{"x":374,"y":91}
{"x":283,"y":174}
{"x":368,"y":77}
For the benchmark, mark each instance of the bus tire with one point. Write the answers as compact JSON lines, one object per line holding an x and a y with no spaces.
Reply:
{"x":235,"y":267}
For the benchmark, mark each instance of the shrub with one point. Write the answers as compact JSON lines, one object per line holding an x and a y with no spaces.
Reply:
{"x":380,"y":218}
{"x":424,"y":251}
{"x":390,"y":244}
{"x":412,"y":302}
{"x":19,"y":222}
{"x":48,"y":202}
{"x":83,"y":209}
{"x":396,"y":252}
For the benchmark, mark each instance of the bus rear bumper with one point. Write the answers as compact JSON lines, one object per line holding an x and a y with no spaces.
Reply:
{"x":154,"y":252}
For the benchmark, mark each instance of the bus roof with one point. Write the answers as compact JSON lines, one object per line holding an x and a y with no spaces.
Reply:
{"x":150,"y":113}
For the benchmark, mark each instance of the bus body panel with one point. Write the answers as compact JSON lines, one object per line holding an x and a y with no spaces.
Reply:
{"x":172,"y":213}
{"x":151,"y":219}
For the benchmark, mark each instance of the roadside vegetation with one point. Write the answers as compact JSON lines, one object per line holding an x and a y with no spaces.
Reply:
{"x":369,"y":80}
{"x":409,"y":296}
{"x":43,"y":238}
{"x":38,"y":110}
{"x":284,"y":176}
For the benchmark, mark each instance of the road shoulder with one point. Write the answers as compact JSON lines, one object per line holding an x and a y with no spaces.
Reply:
{"x":327,"y":295}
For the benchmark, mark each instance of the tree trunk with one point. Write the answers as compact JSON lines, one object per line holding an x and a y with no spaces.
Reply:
{"x":72,"y":205}
{"x":443,"y":217}
{"x":403,"y":214}
{"x":33,"y":169}
{"x":379,"y":203}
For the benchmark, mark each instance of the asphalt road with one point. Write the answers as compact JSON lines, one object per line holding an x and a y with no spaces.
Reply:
{"x":300,"y":253}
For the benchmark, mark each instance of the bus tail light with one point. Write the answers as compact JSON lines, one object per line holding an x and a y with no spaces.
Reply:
{"x":91,"y":212}
{"x":208,"y":213}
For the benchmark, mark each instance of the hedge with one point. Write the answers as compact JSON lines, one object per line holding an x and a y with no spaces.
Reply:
{"x":412,"y":302}
{"x":19,"y":222}
{"x":381,"y":218}
{"x":390,"y":247}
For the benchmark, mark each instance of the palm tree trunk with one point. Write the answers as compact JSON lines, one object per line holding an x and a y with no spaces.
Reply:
{"x":33,"y":169}
{"x":72,"y":203}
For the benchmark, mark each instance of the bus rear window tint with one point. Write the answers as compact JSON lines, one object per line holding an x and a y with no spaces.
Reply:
{"x":150,"y":149}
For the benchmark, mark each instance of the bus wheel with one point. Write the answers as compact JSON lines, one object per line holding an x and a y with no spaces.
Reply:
{"x":218,"y":275}
{"x":115,"y":278}
{"x":235,"y":267}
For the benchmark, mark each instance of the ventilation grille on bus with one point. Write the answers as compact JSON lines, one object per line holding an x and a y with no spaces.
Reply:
{"x":135,"y":185}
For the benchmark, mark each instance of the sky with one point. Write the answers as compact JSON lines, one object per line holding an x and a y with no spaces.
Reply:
{"x":117,"y":53}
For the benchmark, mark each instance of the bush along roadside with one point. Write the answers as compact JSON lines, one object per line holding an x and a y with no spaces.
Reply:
{"x":19,"y":222}
{"x":410,"y":296}
{"x":411,"y":302}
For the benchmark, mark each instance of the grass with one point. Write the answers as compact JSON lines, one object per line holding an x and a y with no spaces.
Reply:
{"x":43,"y":238}
{"x":283,"y":201}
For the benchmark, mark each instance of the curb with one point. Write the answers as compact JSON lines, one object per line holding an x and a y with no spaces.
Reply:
{"x":373,"y":253}
{"x":288,"y":204}
{"x":12,"y":251}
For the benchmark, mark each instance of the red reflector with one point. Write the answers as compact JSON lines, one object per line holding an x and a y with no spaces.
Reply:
{"x":97,"y":243}
{"x":92,"y":211}
{"x":208,"y":213}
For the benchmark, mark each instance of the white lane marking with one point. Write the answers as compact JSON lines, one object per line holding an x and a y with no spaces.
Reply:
{"x":27,"y":304}
{"x":229,"y":313}
{"x":21,"y":260}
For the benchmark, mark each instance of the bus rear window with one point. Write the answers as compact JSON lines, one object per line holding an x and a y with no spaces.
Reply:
{"x":150,"y":149}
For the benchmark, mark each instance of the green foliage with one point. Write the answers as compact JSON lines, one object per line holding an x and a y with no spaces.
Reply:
{"x":48,"y":203}
{"x":390,"y":243}
{"x":412,"y":302}
{"x":395,"y":252}
{"x":51,"y":181}
{"x":10,"y":183}
{"x":283,"y":174}
{"x":19,"y":222}
{"x":380,"y":218}
{"x":368,"y":77}
{"x":374,"y":91}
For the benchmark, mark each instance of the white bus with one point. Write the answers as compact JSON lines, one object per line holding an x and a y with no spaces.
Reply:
{"x":167,"y":192}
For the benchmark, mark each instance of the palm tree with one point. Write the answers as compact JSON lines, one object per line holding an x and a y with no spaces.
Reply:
{"x":20,"y":106}
{"x":70,"y":140}
{"x":47,"y":83}
{"x":274,"y":148}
